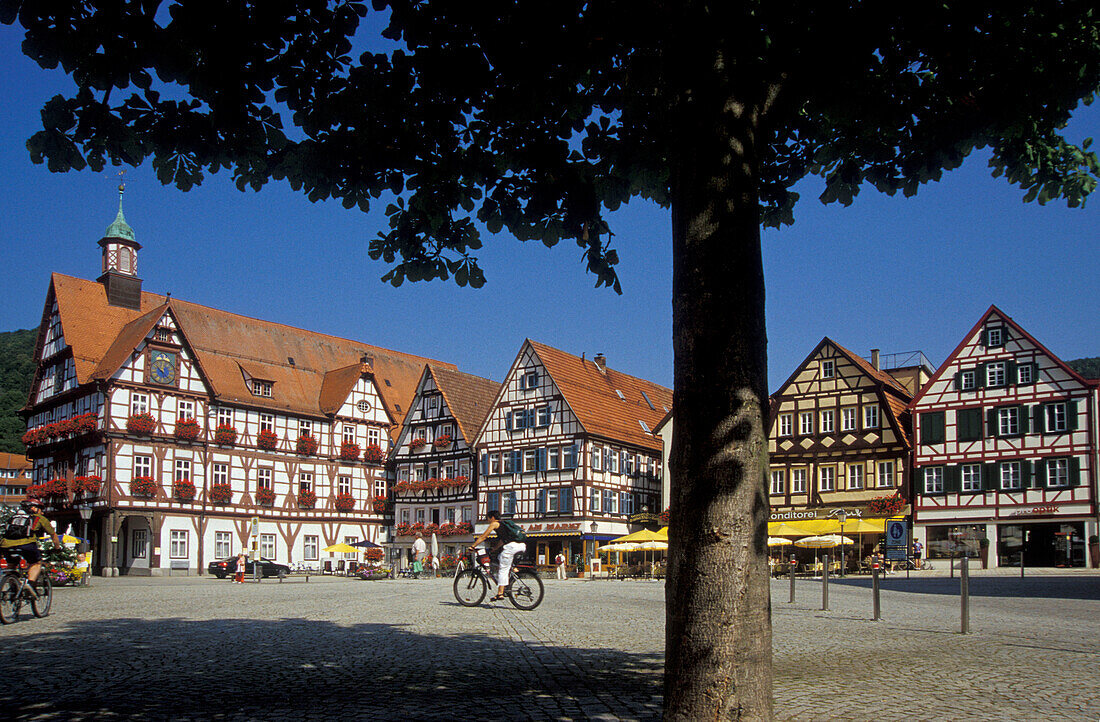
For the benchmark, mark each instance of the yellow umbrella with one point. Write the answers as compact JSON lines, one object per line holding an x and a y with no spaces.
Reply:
{"x":640,"y":536}
{"x":345,"y":548}
{"x":778,"y":541}
{"x":783,"y":528}
{"x":619,"y":547}
{"x":70,"y":539}
{"x":851,"y":526}
{"x":663,"y":531}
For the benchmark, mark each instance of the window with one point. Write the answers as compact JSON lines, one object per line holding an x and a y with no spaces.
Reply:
{"x":827,"y":478}
{"x":1057,"y":472}
{"x":613,"y":466}
{"x":609,"y":505}
{"x":343,"y":485}
{"x":185,"y":410}
{"x":994,"y":336}
{"x":933,"y":480}
{"x":798,"y":481}
{"x":885,"y":474}
{"x":597,"y":456}
{"x":380,"y":488}
{"x":305,"y":481}
{"x":626,"y":503}
{"x":968,"y":424}
{"x":544,"y":416}
{"x":779,"y":482}
{"x":348,"y":433}
{"x":139,"y":547}
{"x":405,"y":516}
{"x":419,"y":516}
{"x":932,"y":426}
{"x":870,"y":416}
{"x":494,"y":463}
{"x":1008,"y":421}
{"x":529,"y":380}
{"x":806,"y":423}
{"x":966,"y":380}
{"x":529,"y":460}
{"x":569,"y":457}
{"x":827,"y":418}
{"x":1025,"y":374}
{"x":559,"y":501}
{"x":305,"y":427}
{"x":225,"y":417}
{"x":785,"y":425}
{"x":995,"y":373}
{"x":553,"y":458}
{"x":183,"y":469}
{"x":267,"y":422}
{"x":177,"y":544}
{"x":222,"y":545}
{"x":848,"y":419}
{"x":374,"y":436}
{"x":267,"y":546}
{"x":828,"y":369}
{"x":261,"y":388}
{"x":509,"y":503}
{"x":594,"y":500}
{"x":855,"y":476}
{"x":143,"y":465}
{"x":971,"y":477}
{"x":310,"y":547}
{"x":433,"y":403}
{"x":263,"y":478}
{"x":1054,"y":417}
{"x":1010,"y":475}
{"x":468,"y":514}
{"x":363,"y":405}
{"x":628,"y":464}
{"x":139,"y":404}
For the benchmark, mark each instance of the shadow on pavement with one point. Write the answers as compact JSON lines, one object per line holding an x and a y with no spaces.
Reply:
{"x":1051,"y":587}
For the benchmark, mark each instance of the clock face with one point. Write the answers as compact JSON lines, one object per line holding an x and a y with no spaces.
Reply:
{"x":162,"y":367}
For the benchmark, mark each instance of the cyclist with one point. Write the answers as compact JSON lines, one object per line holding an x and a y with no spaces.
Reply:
{"x":21,"y":539}
{"x":510,"y":541}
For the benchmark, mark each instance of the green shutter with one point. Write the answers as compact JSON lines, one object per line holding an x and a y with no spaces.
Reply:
{"x":991,"y":422}
{"x":1040,"y":478}
{"x":1074,"y":471}
{"x":991,"y":478}
{"x":979,"y":376}
{"x":1025,"y":474}
{"x":1025,"y":419}
{"x":958,"y":382}
{"x":1071,"y":415}
{"x":1037,"y":419}
{"x":951,"y":478}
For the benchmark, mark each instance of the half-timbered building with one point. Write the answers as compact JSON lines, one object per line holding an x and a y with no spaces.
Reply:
{"x":568,"y":451}
{"x":1006,"y":452}
{"x":839,"y":436}
{"x":435,"y":463}
{"x":14,"y":478}
{"x":193,"y":433}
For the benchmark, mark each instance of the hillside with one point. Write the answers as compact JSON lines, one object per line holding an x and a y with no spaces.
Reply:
{"x":1087,"y":367}
{"x":16,"y":372}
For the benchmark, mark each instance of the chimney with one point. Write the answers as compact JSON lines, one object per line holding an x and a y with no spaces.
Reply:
{"x":874,"y":359}
{"x":601,"y":362}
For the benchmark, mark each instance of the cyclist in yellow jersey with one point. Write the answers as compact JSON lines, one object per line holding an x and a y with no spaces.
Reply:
{"x":21,"y":538}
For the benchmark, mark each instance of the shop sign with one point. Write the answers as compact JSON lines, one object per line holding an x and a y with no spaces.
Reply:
{"x":644,"y":517}
{"x":559,"y":526}
{"x":1036,"y":510}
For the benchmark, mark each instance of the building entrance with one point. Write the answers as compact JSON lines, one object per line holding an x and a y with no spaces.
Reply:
{"x":1042,"y":545}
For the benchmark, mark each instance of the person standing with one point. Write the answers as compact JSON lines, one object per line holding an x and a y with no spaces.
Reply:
{"x":560,"y":561}
{"x":918,"y":548}
{"x":420,"y":550}
{"x":239,"y":579}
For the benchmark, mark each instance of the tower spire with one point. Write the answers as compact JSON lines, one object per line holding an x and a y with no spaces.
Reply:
{"x":120,"y":249}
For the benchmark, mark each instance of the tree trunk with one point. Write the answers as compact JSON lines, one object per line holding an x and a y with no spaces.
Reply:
{"x":718,"y":654}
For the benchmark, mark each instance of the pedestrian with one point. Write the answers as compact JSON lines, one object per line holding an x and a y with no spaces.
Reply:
{"x":420,"y":550}
{"x":560,"y":561}
{"x":918,"y":548}
{"x":239,"y":579}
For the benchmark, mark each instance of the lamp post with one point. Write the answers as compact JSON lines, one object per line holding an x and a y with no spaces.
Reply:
{"x":85,"y":516}
{"x":594,"y":526}
{"x":842,"y":516}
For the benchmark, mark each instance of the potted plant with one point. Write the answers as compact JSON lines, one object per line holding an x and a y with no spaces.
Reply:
{"x":417,"y":443}
{"x":374,"y":554}
{"x":187,"y":429}
{"x":90,"y":486}
{"x":267,"y":440}
{"x":142,"y":424}
{"x":306,"y":499}
{"x":183,"y":489}
{"x":442,"y":442}
{"x":265,"y":496}
{"x":307,"y":445}
{"x":143,"y":486}
{"x":983,"y":551}
{"x":85,"y":423}
{"x":373,"y":454}
{"x":225,"y":435}
{"x":349,"y":451}
{"x":344,"y":502}
{"x":379,"y":504}
{"x":58,"y":489}
{"x":221,"y":493}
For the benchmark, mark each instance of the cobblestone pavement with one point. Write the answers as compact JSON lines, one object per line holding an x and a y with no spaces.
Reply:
{"x":180,"y":648}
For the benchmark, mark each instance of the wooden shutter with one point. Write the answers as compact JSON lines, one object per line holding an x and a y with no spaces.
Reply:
{"x":951,"y":478}
{"x":1024,"y":417}
{"x":1071,"y":415}
{"x":484,"y":463}
{"x":1040,"y":477}
{"x":979,"y":376}
{"x":1038,"y":420}
{"x":1025,"y":474}
{"x":540,"y":502}
{"x":958,"y":381}
{"x":1010,"y":372}
{"x":540,"y":459}
{"x":508,"y":421}
{"x":565,"y":499}
{"x":991,"y":477}
{"x":1074,"y":471}
{"x":991,"y":422}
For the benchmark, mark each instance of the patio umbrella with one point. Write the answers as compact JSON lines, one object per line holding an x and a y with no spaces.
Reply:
{"x":622,"y":547}
{"x":778,"y":541}
{"x":653,"y":546}
{"x":663,"y":531}
{"x":641,"y":536}
{"x":435,"y":551}
{"x":70,"y":539}
{"x":828,"y":541}
{"x":366,"y":544}
{"x":782,"y":528}
{"x":341,"y":548}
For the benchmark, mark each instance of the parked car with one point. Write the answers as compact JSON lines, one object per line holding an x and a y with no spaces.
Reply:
{"x":228,"y":567}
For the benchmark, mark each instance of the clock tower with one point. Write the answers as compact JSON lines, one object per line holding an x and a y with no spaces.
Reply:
{"x":120,"y":249}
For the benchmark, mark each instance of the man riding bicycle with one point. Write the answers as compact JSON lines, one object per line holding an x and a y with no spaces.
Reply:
{"x":510,"y":541}
{"x":21,"y":539}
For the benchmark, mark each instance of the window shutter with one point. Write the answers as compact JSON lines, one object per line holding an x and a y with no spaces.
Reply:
{"x":979,"y":376}
{"x":540,"y":459}
{"x":951,"y":479}
{"x":1025,"y":474}
{"x":492,"y":499}
{"x":484,"y":463}
{"x":1040,"y":478}
{"x":540,"y":503}
{"x":1037,"y":421}
{"x":958,"y":381}
{"x":508,"y":421}
{"x":1025,"y":417}
{"x":1071,"y":415}
{"x":565,"y":499}
{"x":991,"y":422}
{"x":991,"y":478}
{"x":1074,"y":471}
{"x":1010,"y":372}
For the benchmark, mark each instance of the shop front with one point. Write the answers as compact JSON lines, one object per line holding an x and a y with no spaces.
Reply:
{"x":577,"y":540}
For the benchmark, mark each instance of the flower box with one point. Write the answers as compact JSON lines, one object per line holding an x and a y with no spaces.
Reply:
{"x":417,"y":443}
{"x":306,"y":499}
{"x":663,"y":517}
{"x":85,"y":423}
{"x":183,"y":489}
{"x":374,"y":554}
{"x":349,"y":451}
{"x":225,"y":435}
{"x":187,"y":429}
{"x":886,"y":505}
{"x":265,"y":496}
{"x":306,"y":445}
{"x":141,"y":424}
{"x":442,"y":442}
{"x":143,"y":486}
{"x":379,"y":504}
{"x":221,"y":493}
{"x":90,"y":485}
{"x":267,"y":440}
{"x":373,"y":454}
{"x":344,"y":502}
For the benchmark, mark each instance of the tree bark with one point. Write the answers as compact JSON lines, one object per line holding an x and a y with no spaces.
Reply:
{"x":718,"y":621}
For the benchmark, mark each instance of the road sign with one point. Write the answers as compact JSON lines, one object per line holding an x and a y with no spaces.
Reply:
{"x":896,"y":554}
{"x":897,"y":533}
{"x":255,"y":526}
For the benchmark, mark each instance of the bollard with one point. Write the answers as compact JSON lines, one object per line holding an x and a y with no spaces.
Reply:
{"x":825,"y":583}
{"x":964,"y":594}
{"x":874,"y":589}
{"x":793,"y":562}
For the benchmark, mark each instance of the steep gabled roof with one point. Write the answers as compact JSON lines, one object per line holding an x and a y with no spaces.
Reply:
{"x":591,"y":395}
{"x":227,"y":346}
{"x":469,"y":398}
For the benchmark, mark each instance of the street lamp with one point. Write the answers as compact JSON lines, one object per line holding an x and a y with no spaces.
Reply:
{"x":842,"y":516}
{"x":85,"y":516}
{"x":594,"y":553}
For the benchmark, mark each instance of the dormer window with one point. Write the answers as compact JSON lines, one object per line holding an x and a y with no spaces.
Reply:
{"x":261,"y":388}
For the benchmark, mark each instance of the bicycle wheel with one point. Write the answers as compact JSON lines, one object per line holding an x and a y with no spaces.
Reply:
{"x":41,"y":604}
{"x":525,"y":591}
{"x":9,"y":599}
{"x":469,"y":588}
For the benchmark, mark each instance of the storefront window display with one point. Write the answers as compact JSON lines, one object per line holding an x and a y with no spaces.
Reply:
{"x":946,"y":542}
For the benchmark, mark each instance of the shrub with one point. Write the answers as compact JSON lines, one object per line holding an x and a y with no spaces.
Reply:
{"x":374,"y":554}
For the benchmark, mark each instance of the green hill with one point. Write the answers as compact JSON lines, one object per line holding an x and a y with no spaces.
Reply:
{"x":1087,"y":367}
{"x":16,"y":373}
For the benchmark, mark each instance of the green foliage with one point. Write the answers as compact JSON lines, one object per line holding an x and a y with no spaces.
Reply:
{"x":540,"y":117}
{"x":1087,"y":367}
{"x":16,"y":373}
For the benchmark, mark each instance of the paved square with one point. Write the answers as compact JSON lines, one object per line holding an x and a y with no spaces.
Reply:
{"x":183,"y":648}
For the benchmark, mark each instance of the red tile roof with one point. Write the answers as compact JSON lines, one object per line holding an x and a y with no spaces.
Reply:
{"x":468,"y":397}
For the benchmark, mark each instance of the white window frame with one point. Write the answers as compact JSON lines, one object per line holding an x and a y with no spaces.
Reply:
{"x":185,"y":410}
{"x":885,"y":473}
{"x":305,"y":481}
{"x":267,"y":546}
{"x":994,"y":336}
{"x":786,"y":425}
{"x":177,"y":543}
{"x":798,"y":481}
{"x":828,"y":368}
{"x":553,"y":458}
{"x":1008,"y":421}
{"x":183,"y":469}
{"x":1024,"y":374}
{"x":143,"y":465}
{"x":530,"y":457}
{"x":595,"y":499}
{"x":779,"y":482}
{"x":139,"y":544}
{"x":343,"y":484}
{"x":968,"y":380}
{"x":225,"y":417}
{"x":267,"y":422}
{"x":219,"y":473}
{"x":870,"y":416}
{"x":933,"y":480}
{"x":970,"y":477}
{"x":849,"y":418}
{"x":1057,"y":473}
{"x":139,"y":403}
{"x":995,"y":375}
{"x":1011,"y":476}
{"x":855,"y":476}
{"x":806,"y":423}
{"x":265,"y":478}
{"x":826,"y":478}
{"x":1055,"y":417}
{"x":311,"y":547}
{"x":827,"y":421}
{"x":223,"y":545}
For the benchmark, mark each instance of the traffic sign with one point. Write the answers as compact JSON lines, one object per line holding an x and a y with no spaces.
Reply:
{"x":255,"y":526}
{"x":897,"y":533}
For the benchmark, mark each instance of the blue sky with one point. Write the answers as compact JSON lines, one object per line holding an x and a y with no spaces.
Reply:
{"x":890,"y":273}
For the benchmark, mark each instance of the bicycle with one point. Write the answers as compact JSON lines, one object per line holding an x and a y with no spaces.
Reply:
{"x":472,"y":583}
{"x":13,"y":594}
